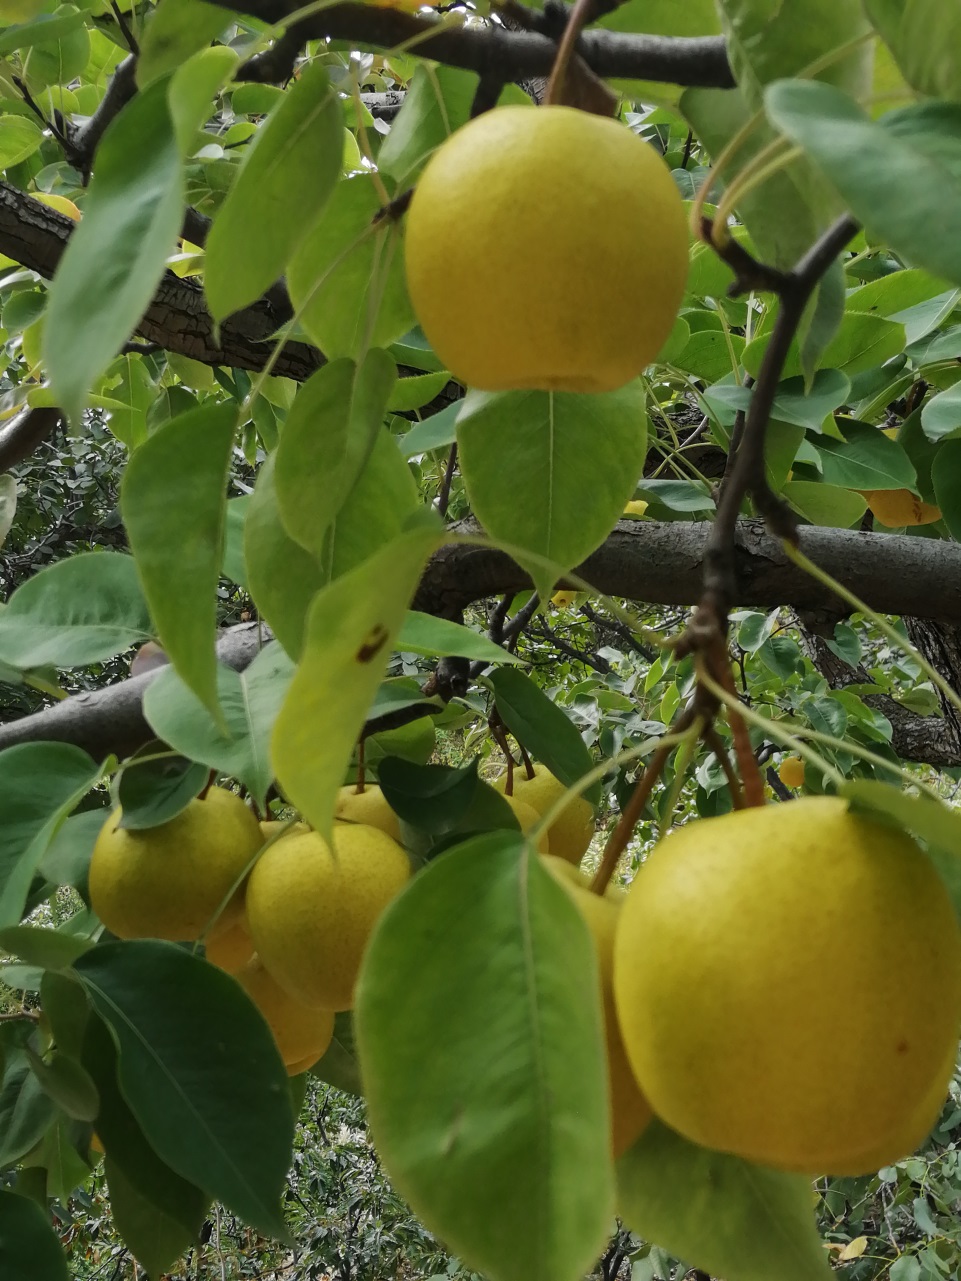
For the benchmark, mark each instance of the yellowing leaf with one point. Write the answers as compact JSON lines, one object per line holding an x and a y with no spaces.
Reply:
{"x":854,"y":1249}
{"x":350,"y":632}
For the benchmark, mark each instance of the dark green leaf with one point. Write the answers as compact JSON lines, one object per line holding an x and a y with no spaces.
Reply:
{"x":25,"y":1110}
{"x":546,"y":732}
{"x":200,"y":1071}
{"x":152,"y":792}
{"x":40,"y":783}
{"x":155,"y":1240}
{"x":67,"y":858}
{"x":47,"y":949}
{"x":173,"y":501}
{"x":500,"y":1143}
{"x":29,"y":1249}
{"x":865,"y":459}
{"x":68,"y":1084}
{"x":437,"y":104}
{"x":339,"y":1066}
{"x":177,"y":29}
{"x":124,"y":1140}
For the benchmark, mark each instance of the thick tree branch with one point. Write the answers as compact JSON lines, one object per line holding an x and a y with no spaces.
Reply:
{"x":512,"y":55}
{"x":641,"y":561}
{"x":23,"y":434}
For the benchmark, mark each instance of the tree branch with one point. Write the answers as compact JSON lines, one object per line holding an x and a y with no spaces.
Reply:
{"x":641,"y":561}
{"x":513,"y":55}
{"x":22,"y":434}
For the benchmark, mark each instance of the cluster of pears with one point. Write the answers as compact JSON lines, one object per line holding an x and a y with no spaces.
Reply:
{"x":546,"y":248}
{"x":283,"y":911}
{"x":787,"y":986}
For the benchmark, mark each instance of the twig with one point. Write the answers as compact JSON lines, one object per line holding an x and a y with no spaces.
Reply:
{"x":443,"y":494}
{"x":713,"y":740}
{"x":23,"y":434}
{"x":128,"y":35}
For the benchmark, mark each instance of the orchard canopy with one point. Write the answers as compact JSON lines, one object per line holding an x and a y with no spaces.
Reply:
{"x":433,"y":438}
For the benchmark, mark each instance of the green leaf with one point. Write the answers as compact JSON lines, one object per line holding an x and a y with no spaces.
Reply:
{"x":8,"y":505}
{"x":901,"y":176}
{"x":200,"y":1071}
{"x":547,"y":733}
{"x":941,"y":415}
{"x":531,"y":459}
{"x":339,"y":1066}
{"x":934,"y":823}
{"x":413,"y":393}
{"x":194,"y":85}
{"x":67,"y":857}
{"x":46,"y":28}
{"x":288,"y":173}
{"x":377,"y":509}
{"x":173,"y":501}
{"x":155,"y":1240}
{"x":330,"y":433}
{"x":78,"y":611}
{"x":347,"y":279}
{"x":48,"y":949}
{"x":19,"y":139}
{"x":250,"y":701}
{"x":282,"y":576}
{"x":719,"y":1212}
{"x":40,"y":783}
{"x":865,"y":459}
{"x":946,"y":477}
{"x":125,"y":1143}
{"x":29,"y":1249}
{"x":350,"y":632}
{"x":823,"y":504}
{"x":116,"y":256}
{"x":25,"y":1110}
{"x":176,"y":29}
{"x":432,"y":433}
{"x":500,"y":1143}
{"x":438,"y":102}
{"x":66,"y":1082}
{"x":863,"y":341}
{"x":153,"y":791}
{"x":425,"y":634}
{"x":907,"y":27}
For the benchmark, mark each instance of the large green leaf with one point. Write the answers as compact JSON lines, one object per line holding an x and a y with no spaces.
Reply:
{"x":40,"y":783}
{"x":288,"y":173}
{"x":154,"y":1239}
{"x":719,"y":1212}
{"x":116,"y":256}
{"x":946,"y":477}
{"x":29,"y":1249}
{"x":19,"y":139}
{"x":347,"y":278}
{"x":350,"y":631}
{"x":124,"y":1142}
{"x":283,"y":577}
{"x":923,"y":35}
{"x":78,"y":611}
{"x":900,"y":176}
{"x":330,"y":433}
{"x":425,"y":634}
{"x":537,"y":722}
{"x":173,"y":501}
{"x":550,"y":472}
{"x":199,"y":1070}
{"x":250,"y":701}
{"x":500,"y":1142}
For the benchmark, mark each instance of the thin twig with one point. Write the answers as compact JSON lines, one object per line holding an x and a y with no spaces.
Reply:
{"x":714,"y":741}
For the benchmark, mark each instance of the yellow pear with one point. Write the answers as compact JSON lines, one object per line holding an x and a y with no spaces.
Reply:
{"x":311,"y":909}
{"x":168,"y":882}
{"x":630,"y":1111}
{"x":272,"y":827}
{"x":302,"y":1032}
{"x":477,"y":249}
{"x":734,"y":931}
{"x":528,"y":818}
{"x":791,"y":771}
{"x":369,"y":807}
{"x":571,"y":832}
{"x":231,"y":949}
